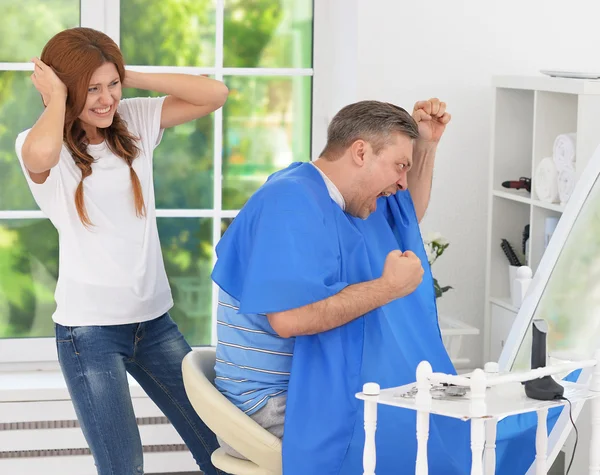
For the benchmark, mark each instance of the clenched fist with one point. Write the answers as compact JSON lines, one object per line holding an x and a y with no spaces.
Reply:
{"x":402,"y":273}
{"x":432,"y":118}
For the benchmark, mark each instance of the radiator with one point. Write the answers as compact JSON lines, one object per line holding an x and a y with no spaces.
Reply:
{"x":40,"y":435}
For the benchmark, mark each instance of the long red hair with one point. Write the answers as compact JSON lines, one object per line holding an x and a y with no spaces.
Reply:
{"x":75,"y":54}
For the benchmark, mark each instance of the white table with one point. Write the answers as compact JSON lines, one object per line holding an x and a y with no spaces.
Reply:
{"x":490,"y":397}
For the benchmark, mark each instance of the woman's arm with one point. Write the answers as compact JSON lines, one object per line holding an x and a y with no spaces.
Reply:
{"x":41,"y":149}
{"x":189,"y":97}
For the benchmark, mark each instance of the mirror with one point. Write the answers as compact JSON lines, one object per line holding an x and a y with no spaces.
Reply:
{"x":565,"y":292}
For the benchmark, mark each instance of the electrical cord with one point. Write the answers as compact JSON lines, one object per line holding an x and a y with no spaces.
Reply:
{"x":562,"y":398}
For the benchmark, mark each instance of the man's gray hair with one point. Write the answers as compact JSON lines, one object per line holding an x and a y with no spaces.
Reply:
{"x":372,"y":121}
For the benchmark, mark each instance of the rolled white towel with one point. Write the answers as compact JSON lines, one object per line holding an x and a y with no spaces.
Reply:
{"x":545,"y":181}
{"x":563,"y":152}
{"x":566,"y":185}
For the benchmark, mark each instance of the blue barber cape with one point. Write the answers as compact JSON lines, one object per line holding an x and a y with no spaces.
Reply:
{"x":292,"y":245}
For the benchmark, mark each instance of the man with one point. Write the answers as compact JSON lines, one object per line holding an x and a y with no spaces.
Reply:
{"x":321,"y":291}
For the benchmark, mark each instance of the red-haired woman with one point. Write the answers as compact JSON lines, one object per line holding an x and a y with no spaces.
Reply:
{"x":88,"y":162}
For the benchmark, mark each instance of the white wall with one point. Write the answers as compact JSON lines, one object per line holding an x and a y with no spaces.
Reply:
{"x":335,"y":52}
{"x":408,"y":51}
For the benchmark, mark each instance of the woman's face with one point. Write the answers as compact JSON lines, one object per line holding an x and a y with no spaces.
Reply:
{"x":104,"y":94}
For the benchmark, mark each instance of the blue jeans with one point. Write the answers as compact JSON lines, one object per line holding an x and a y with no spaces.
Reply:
{"x":95,"y":361}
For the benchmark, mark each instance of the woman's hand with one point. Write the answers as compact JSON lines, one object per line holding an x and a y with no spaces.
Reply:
{"x":129,"y":79}
{"x":47,"y":82}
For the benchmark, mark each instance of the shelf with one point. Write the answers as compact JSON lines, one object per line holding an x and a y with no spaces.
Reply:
{"x":520,"y":198}
{"x":551,"y":206}
{"x":548,"y":84}
{"x":529,"y":113}
{"x":500,"y":401}
{"x":504,"y":303}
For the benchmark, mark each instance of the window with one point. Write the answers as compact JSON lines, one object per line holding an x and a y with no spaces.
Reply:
{"x":204,"y":170}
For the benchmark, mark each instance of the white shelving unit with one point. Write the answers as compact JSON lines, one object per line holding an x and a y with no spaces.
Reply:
{"x":529,"y":113}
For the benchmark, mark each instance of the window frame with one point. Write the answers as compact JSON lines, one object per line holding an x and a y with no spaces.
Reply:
{"x":104,"y":15}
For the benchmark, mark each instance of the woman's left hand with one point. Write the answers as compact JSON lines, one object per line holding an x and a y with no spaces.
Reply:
{"x":127,"y":80}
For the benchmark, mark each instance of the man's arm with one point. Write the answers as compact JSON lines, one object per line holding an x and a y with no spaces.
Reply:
{"x":402,"y":274}
{"x":420,"y":176}
{"x":431,"y":117}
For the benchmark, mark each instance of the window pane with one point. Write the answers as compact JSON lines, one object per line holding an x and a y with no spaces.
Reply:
{"x":268,"y":33}
{"x":29,"y":269}
{"x":266,"y":126}
{"x":168,"y":32}
{"x":187,"y":251}
{"x":20,"y":106}
{"x":183,"y":163}
{"x":225,"y":223}
{"x":26,"y":26}
{"x":28,"y":273}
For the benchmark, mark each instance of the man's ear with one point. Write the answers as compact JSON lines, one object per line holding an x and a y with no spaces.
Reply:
{"x":358,"y":150}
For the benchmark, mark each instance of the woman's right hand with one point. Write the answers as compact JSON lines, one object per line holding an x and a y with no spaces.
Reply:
{"x":47,"y":82}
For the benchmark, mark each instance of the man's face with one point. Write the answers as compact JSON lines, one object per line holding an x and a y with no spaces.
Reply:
{"x":382,"y":174}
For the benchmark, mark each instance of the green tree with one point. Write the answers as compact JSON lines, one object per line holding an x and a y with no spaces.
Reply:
{"x":28,"y":248}
{"x":249,"y":26}
{"x":162,"y":33}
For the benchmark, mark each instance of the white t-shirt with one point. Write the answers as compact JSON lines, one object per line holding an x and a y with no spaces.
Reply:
{"x":334,"y":192}
{"x":112,"y":272}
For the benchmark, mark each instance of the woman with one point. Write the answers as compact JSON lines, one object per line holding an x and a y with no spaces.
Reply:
{"x":88,"y":162}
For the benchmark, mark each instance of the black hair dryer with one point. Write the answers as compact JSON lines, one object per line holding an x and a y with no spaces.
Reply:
{"x":544,"y":389}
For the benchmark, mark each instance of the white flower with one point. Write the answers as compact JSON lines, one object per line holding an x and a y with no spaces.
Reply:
{"x":434,"y":244}
{"x":442,"y":241}
{"x":432,"y":236}
{"x":435,"y":237}
{"x":431,"y":254}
